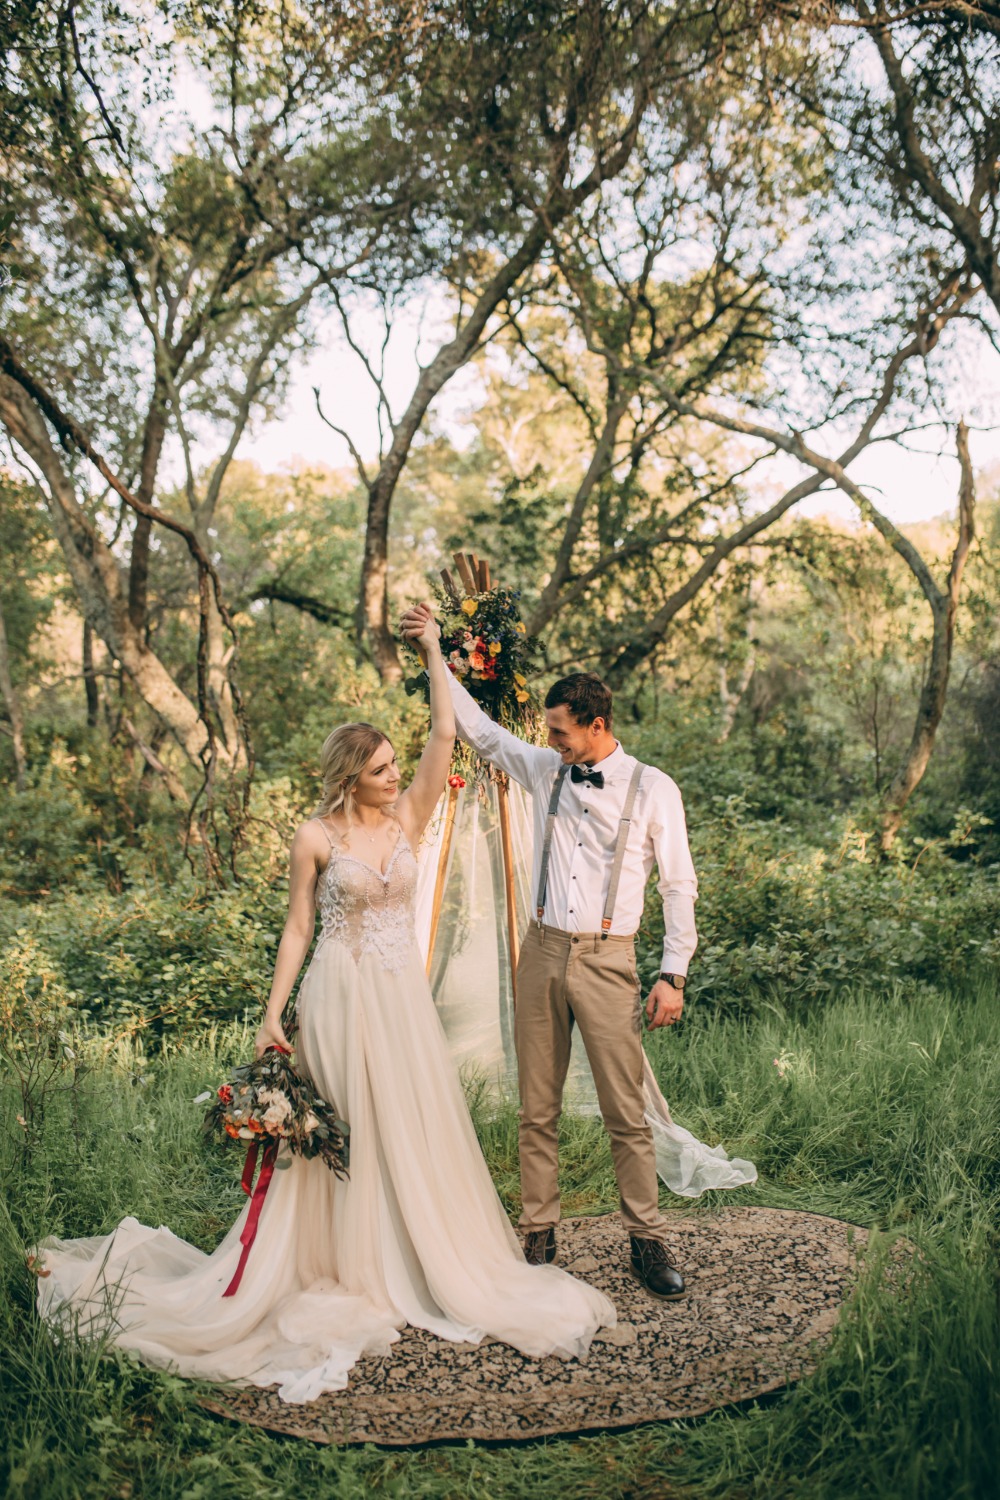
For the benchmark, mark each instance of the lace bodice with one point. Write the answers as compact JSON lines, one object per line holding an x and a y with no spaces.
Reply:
{"x":370,"y":913}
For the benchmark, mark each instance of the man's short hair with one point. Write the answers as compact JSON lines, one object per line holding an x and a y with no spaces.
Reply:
{"x":585,"y":695}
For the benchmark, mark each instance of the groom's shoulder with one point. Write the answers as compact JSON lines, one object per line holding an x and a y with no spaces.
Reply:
{"x":656,"y":781}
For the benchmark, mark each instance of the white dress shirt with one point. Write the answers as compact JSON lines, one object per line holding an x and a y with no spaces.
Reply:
{"x":586,"y":831}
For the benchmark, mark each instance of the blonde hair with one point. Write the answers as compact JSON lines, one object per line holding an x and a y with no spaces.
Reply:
{"x":346,"y":752}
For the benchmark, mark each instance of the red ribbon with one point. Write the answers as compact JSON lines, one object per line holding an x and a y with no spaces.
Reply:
{"x":249,"y":1233}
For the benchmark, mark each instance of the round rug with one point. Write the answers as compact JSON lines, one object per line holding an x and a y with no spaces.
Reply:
{"x":765,"y":1287}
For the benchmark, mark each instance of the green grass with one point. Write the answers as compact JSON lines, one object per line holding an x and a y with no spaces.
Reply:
{"x":885,"y":1112}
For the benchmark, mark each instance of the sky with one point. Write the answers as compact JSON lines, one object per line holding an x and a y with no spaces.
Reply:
{"x":909,"y":486}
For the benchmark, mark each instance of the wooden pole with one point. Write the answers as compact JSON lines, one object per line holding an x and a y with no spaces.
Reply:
{"x":513,"y":936}
{"x":470,"y":583}
{"x":442,"y":871}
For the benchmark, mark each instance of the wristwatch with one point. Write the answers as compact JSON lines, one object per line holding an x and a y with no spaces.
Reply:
{"x":677,"y":981}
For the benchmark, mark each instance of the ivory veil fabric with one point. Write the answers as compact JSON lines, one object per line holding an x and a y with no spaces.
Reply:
{"x":416,"y":1235}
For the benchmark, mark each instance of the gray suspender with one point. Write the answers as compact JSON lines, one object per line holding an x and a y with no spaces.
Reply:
{"x":619,"y":860}
{"x":550,"y":823}
{"x":619,"y":856}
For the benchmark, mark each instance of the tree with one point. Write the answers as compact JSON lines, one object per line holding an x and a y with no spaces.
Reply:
{"x":546,"y":105}
{"x":915,"y":94}
{"x":166,"y":262}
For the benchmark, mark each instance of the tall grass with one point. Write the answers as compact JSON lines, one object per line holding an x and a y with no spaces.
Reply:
{"x":885,"y":1112}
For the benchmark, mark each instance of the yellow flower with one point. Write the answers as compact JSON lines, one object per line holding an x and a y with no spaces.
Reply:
{"x":522,"y":697}
{"x":520,"y":626}
{"x":519,"y":679}
{"x":469,"y":606}
{"x":495,"y":648}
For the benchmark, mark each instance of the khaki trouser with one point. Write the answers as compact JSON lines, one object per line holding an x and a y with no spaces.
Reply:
{"x":564,"y":978}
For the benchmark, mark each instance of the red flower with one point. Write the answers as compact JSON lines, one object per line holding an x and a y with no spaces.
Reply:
{"x":456,"y":781}
{"x":225,"y":1093}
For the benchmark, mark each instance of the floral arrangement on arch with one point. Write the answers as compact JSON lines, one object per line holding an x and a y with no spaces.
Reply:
{"x":485,"y":645}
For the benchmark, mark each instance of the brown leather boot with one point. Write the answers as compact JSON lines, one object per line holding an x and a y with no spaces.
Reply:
{"x":540,"y":1247}
{"x":656,"y":1269}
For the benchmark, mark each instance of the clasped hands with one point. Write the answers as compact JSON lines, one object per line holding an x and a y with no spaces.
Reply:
{"x":420,"y":628}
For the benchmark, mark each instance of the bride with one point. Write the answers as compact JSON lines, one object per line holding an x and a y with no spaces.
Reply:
{"x":417,"y":1233}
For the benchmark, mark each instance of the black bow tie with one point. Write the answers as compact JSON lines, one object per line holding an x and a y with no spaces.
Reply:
{"x":581,"y":773}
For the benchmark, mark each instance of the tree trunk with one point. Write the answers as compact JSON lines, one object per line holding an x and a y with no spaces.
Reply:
{"x":944,"y":607}
{"x":153,"y":435}
{"x":90,"y":676}
{"x":373,"y":598}
{"x":730,"y":695}
{"x":599,"y":465}
{"x":98,"y":579}
{"x":12,"y":703}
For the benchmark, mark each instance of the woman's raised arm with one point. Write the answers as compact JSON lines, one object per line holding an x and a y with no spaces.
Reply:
{"x":416,"y":804}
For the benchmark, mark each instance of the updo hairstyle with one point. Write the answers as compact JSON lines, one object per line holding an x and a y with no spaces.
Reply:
{"x":346,"y":752}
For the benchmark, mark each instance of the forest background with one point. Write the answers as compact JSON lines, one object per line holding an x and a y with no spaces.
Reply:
{"x":640,"y":298}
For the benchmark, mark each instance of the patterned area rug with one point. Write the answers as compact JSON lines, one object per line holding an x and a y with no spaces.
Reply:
{"x":765,"y":1288}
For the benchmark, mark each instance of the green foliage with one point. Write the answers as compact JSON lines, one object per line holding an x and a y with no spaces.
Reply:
{"x":780,"y":915}
{"x":162,"y":959}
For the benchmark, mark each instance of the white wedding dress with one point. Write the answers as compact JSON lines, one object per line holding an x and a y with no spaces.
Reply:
{"x":416,"y":1235}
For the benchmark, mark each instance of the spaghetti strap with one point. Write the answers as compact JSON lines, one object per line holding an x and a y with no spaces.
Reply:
{"x":329,"y":835}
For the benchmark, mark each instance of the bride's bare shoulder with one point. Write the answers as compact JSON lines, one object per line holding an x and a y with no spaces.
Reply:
{"x":311,"y":840}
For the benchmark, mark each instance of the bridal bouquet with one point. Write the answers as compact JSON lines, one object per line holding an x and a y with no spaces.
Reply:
{"x":267,"y":1102}
{"x":264,"y":1103}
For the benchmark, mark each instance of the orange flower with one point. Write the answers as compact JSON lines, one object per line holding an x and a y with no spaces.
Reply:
{"x":477,"y":660}
{"x":231,"y":1129}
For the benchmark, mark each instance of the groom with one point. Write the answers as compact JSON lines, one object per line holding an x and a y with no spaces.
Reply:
{"x":601,"y":820}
